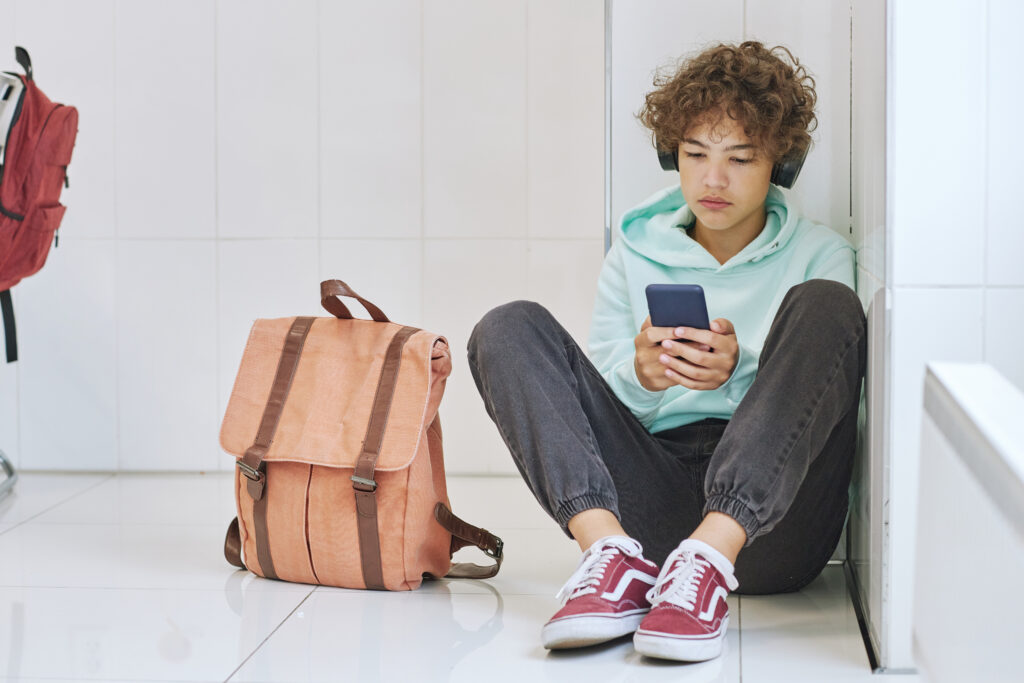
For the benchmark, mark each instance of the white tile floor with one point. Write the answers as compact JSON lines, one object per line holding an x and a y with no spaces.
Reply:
{"x":121,"y":578}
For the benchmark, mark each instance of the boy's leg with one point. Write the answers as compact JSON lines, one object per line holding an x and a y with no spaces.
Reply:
{"x":782,"y":467}
{"x":780,"y":470}
{"x":574,"y":442}
{"x":581,"y":452}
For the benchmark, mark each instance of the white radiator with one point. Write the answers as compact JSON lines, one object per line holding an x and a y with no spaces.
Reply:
{"x":969,"y":569}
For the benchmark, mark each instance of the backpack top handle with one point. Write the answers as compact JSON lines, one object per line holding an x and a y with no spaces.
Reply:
{"x":330,"y":290}
{"x":21,"y":54}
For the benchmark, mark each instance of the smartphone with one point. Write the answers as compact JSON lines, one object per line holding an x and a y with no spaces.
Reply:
{"x":677,"y":306}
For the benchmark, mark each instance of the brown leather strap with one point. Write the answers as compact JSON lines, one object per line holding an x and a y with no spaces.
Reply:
{"x":362,"y":479}
{"x":233,"y":545}
{"x":251,"y":463}
{"x":330,"y":290}
{"x":464,"y":534}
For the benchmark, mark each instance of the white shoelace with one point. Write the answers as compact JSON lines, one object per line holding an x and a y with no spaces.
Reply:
{"x":679,"y":585}
{"x":590,"y":572}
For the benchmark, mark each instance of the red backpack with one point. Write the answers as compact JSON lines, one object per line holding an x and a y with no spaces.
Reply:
{"x":37,"y":136}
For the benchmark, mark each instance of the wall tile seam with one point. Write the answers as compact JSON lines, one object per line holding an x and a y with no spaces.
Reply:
{"x":423,"y":166}
{"x":985,"y":176}
{"x":352,"y":238}
{"x":217,"y":366}
{"x":966,"y":287}
{"x":115,"y":218}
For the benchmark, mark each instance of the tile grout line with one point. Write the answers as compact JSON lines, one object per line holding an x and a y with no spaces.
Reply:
{"x":269,"y":635}
{"x":217,"y":307}
{"x":117,"y":293}
{"x":59,"y":503}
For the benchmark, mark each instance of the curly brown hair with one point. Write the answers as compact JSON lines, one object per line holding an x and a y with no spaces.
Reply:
{"x":772,"y":99}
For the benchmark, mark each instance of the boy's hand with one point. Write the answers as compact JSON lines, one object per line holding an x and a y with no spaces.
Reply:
{"x":703,"y":362}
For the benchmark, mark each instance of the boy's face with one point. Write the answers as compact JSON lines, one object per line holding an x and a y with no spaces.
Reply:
{"x":724,"y":164}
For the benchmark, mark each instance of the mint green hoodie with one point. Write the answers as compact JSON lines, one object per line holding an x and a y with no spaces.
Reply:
{"x":651,"y":246}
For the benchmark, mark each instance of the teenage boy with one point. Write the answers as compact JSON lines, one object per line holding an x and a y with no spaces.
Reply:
{"x":691,"y":444}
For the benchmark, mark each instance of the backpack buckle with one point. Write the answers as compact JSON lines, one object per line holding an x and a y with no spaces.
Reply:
{"x":358,"y":482}
{"x":250,"y":472}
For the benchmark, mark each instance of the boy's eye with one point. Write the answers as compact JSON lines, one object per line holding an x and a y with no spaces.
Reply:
{"x":737,"y":160}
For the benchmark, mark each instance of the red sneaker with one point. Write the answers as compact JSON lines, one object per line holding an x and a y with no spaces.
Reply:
{"x":689,"y":615}
{"x":605,"y":598}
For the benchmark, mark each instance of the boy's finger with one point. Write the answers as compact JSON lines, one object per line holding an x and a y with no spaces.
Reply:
{"x":694,"y":334}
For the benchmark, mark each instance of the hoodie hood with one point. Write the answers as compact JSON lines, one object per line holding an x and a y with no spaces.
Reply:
{"x":655,"y":230}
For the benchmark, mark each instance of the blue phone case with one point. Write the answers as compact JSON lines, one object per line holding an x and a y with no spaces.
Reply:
{"x":677,"y":306}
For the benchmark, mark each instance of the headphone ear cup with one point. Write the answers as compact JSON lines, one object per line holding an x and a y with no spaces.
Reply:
{"x":669,"y":159}
{"x":784,"y":173}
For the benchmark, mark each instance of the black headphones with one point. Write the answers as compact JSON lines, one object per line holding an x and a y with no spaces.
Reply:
{"x":784,"y":172}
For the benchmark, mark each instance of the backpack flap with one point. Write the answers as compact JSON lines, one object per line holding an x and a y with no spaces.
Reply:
{"x":329,"y":403}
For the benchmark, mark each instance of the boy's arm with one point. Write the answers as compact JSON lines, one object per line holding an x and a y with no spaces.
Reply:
{"x":611,"y":342}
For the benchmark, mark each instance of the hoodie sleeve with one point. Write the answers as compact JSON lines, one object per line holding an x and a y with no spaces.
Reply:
{"x":735,"y":388}
{"x":611,"y":348}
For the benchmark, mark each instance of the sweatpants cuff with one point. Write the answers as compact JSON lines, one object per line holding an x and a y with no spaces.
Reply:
{"x":737,"y":509}
{"x":587,"y":501}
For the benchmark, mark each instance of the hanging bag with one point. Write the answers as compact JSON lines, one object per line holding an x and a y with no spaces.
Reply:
{"x":36,"y":139}
{"x":340,"y":481}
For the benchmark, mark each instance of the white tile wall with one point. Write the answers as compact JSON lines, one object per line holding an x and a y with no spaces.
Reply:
{"x":646,"y":37}
{"x":954,"y":231}
{"x":167,"y":355}
{"x":165,"y":173}
{"x":9,"y":399}
{"x":818,"y":36}
{"x":8,"y":372}
{"x":467,"y":278}
{"x":387,"y":273}
{"x":474,"y":119}
{"x":71,"y":43}
{"x":927,"y":325}
{"x":371,"y":156}
{"x":7,"y":37}
{"x":932,"y":208}
{"x":565,"y":119}
{"x":1005,"y":239}
{"x":562,"y":276}
{"x":1004,"y":327}
{"x":867,"y":555}
{"x":867,"y":204}
{"x":868,"y":135}
{"x":267,"y":84}
{"x":259,"y":279}
{"x":286,"y":160}
{"x":67,"y":322}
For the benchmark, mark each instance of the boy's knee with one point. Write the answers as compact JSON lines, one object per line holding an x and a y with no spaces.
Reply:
{"x":828,"y":296}
{"x":504,"y":323}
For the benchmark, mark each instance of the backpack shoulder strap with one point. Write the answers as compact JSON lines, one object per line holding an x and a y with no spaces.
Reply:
{"x":10,"y":335}
{"x":465,"y":534}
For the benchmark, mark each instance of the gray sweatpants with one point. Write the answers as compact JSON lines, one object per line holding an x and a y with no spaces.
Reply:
{"x":780,"y":467}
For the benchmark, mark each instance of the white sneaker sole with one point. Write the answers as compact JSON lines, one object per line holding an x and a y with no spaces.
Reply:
{"x":583,"y":631}
{"x":679,"y":648}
